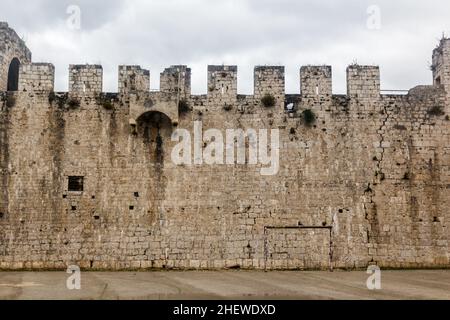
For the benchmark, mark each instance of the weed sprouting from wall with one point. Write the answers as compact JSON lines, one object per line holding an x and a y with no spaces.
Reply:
{"x":183,"y":107}
{"x":309,"y":117}
{"x":108,"y":105}
{"x":227,"y":107}
{"x":51,"y":97}
{"x":105,"y":102}
{"x":73,"y":103}
{"x":60,"y":99}
{"x":268,"y":100}
{"x":10,"y":101}
{"x":436,"y":111}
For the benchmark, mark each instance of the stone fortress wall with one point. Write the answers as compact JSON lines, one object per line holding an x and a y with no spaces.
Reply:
{"x":87,"y":178}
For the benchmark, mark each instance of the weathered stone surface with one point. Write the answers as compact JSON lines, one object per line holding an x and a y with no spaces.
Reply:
{"x":85,"y":78}
{"x":36,"y":77}
{"x":367,"y":182}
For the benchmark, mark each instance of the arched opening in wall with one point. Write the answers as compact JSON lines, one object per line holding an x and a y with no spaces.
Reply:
{"x":13,"y":75}
{"x":155,"y":127}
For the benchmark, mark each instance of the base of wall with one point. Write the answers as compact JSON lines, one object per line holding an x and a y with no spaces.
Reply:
{"x":205,"y":265}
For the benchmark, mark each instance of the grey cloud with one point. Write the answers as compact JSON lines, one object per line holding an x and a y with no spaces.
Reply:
{"x":158,"y":33}
{"x":44,"y":14}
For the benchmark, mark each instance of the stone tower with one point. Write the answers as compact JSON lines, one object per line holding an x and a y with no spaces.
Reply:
{"x":13,"y":53}
{"x":441,"y":63}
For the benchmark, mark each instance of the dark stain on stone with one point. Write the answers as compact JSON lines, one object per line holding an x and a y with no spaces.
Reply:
{"x":4,"y":156}
{"x":55,"y":136}
{"x":113,"y":136}
{"x":155,"y":129}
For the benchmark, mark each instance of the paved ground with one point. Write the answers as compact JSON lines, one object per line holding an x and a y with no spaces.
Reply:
{"x":424,"y":284}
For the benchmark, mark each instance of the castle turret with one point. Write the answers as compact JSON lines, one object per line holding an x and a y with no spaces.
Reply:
{"x":441,"y":64}
{"x":441,"y":67}
{"x":13,"y":53}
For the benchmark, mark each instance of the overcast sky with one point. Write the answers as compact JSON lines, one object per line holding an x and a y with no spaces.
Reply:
{"x":397,"y":35}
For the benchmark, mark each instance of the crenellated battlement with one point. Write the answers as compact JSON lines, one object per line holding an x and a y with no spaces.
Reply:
{"x":37,"y":77}
{"x":269,"y":80}
{"x":363,"y":82}
{"x":176,"y":80}
{"x":316,"y":85}
{"x":133,"y":79}
{"x":87,"y":79}
{"x":222,"y":83}
{"x":316,"y":81}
